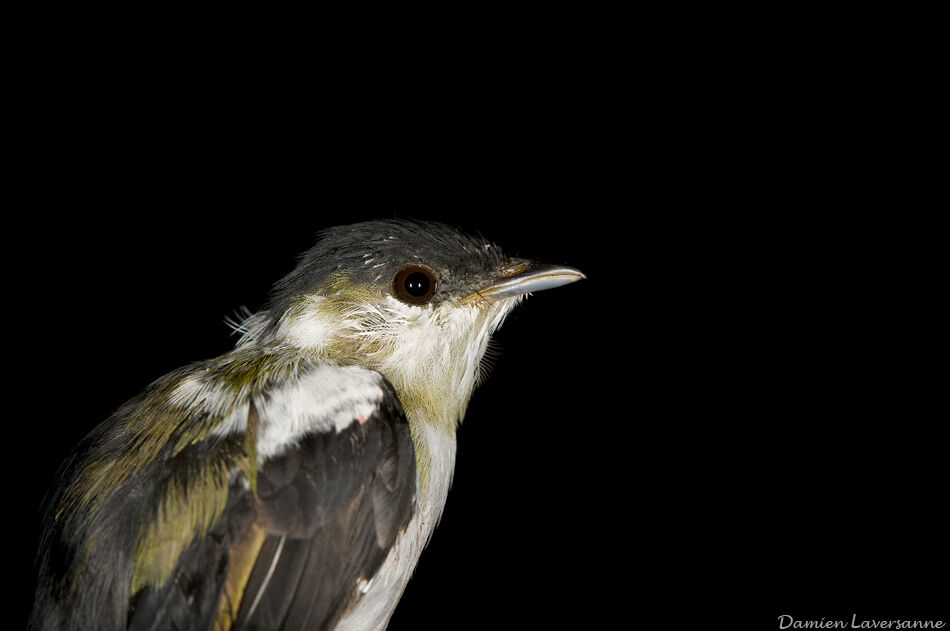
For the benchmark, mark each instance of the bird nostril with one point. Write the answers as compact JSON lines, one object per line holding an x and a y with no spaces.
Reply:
{"x":515,"y":267}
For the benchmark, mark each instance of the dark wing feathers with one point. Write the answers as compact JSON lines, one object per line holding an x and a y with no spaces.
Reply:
{"x":191,"y":599}
{"x":287,"y":554}
{"x":393,"y":485}
{"x":333,"y":507}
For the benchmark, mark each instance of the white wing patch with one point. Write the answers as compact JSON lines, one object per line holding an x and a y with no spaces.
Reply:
{"x":197,"y":393}
{"x":324,"y":398}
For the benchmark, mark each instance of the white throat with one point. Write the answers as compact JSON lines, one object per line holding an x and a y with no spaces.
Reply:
{"x":431,"y":355}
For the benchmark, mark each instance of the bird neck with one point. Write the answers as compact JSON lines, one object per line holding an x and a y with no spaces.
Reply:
{"x":432,"y":357}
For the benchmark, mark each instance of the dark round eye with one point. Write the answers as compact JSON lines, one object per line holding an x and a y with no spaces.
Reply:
{"x":414,"y":284}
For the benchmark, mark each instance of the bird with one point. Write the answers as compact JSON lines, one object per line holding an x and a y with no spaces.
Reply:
{"x":293,"y":481}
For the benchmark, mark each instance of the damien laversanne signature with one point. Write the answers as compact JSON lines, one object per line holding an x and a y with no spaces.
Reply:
{"x":786,"y":621}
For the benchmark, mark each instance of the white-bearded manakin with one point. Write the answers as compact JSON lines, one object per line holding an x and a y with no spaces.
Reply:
{"x":293,"y":482}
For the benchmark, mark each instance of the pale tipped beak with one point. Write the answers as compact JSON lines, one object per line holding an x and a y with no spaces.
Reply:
{"x":525,"y":277}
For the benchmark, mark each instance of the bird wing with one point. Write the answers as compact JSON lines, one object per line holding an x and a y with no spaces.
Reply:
{"x":331,"y":504}
{"x":261,"y":509}
{"x":334,"y":486}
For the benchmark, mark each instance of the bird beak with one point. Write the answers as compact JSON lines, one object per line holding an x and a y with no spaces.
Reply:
{"x":523,"y":276}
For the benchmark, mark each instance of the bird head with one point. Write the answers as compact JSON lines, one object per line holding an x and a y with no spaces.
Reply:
{"x":415,"y":301}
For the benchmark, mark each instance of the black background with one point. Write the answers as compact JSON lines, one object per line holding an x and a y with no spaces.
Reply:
{"x":729,"y":420}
